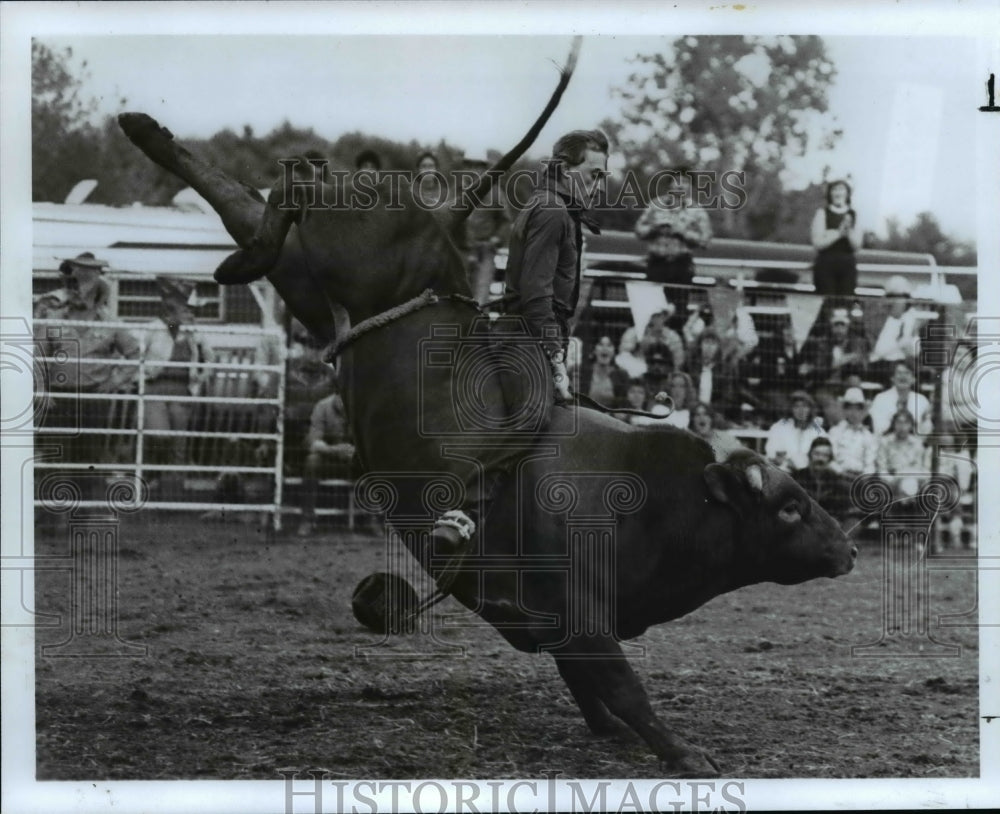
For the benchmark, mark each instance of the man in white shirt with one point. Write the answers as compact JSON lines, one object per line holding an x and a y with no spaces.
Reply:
{"x":897,"y":340}
{"x":854,"y":445}
{"x":900,"y":396}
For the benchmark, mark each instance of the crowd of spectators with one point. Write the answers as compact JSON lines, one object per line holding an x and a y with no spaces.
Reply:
{"x":835,"y":409}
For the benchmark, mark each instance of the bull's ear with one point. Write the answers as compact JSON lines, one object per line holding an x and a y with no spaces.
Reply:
{"x":723,"y":483}
{"x":733,"y":485}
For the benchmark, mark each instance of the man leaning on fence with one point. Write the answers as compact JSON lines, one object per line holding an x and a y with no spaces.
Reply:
{"x":329,"y":454}
{"x":79,"y":356}
{"x":171,"y":340}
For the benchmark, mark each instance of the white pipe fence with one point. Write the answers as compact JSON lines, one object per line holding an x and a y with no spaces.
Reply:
{"x":235,"y":427}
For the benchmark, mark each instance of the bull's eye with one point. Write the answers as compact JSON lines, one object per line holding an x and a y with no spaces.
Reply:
{"x":790,"y":513}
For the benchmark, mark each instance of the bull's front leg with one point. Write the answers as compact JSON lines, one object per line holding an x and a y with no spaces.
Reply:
{"x":614,"y":683}
{"x":240,"y":207}
{"x":574,"y":673}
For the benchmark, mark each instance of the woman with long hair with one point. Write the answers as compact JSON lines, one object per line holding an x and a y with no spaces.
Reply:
{"x":901,"y":460}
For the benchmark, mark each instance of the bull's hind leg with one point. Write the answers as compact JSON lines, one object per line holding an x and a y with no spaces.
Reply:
{"x":614,"y":684}
{"x":259,"y":256}
{"x":239,"y":206}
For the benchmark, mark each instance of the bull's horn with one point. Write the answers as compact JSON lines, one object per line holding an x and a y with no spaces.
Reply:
{"x":463,"y":208}
{"x":755,"y":477}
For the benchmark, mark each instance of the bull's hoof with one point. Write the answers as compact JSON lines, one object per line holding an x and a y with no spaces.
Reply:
{"x":244,"y":266}
{"x":139,"y":127}
{"x":153,"y":139}
{"x":692,"y":762}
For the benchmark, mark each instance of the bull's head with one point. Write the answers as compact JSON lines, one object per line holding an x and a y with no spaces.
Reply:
{"x":782,"y":534}
{"x":365,"y":259}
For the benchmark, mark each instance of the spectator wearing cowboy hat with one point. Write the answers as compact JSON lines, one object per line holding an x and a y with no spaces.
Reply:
{"x":837,"y":356}
{"x":173,"y":353}
{"x":80,"y":356}
{"x":854,"y":445}
{"x":896,"y":341}
{"x":789,"y":438}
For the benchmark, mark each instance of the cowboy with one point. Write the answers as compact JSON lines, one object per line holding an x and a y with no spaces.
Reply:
{"x":546,"y":244}
{"x":542,"y":287}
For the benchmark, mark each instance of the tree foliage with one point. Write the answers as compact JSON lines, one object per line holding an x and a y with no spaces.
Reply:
{"x":726,"y":103}
{"x":62,"y":137}
{"x":924,"y":235}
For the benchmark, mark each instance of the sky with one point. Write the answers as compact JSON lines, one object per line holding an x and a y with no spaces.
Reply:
{"x":899,"y":99}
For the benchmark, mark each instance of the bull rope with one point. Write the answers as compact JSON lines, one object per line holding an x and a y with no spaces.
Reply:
{"x":429,"y":297}
{"x":422,"y":300}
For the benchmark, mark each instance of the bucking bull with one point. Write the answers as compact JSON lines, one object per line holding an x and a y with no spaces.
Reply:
{"x":600,"y":530}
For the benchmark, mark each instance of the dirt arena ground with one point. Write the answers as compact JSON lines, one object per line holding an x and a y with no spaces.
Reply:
{"x":254,"y":663}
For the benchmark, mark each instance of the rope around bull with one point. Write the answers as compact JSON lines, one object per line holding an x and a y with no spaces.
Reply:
{"x":430,"y":297}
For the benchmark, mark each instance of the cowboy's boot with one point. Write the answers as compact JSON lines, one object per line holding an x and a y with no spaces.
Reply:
{"x":451,"y":542}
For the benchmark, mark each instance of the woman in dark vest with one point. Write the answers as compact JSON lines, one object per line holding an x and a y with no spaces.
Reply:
{"x":836,"y":238}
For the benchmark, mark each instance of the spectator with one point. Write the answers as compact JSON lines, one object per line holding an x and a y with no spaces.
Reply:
{"x":896,"y":341}
{"x":427,"y":186}
{"x":854,"y":445}
{"x":901,"y":459}
{"x":901,"y":396}
{"x":83,"y":354}
{"x":672,"y":228}
{"x":698,"y":321}
{"x":836,"y":237}
{"x":630,"y":358}
{"x":740,"y":338}
{"x":600,"y":378}
{"x":368,"y":161}
{"x":958,"y":469}
{"x":169,"y":339}
{"x":771,"y":373}
{"x":659,"y":365}
{"x":703,"y":424}
{"x":426,"y":162}
{"x":713,"y":375}
{"x":486,"y":229}
{"x":681,"y":392}
{"x":658,"y":332}
{"x":789,"y":439}
{"x":822,"y":483}
{"x":836,"y":357}
{"x":329,"y":454}
{"x":308,"y":380}
{"x":638,"y":398}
